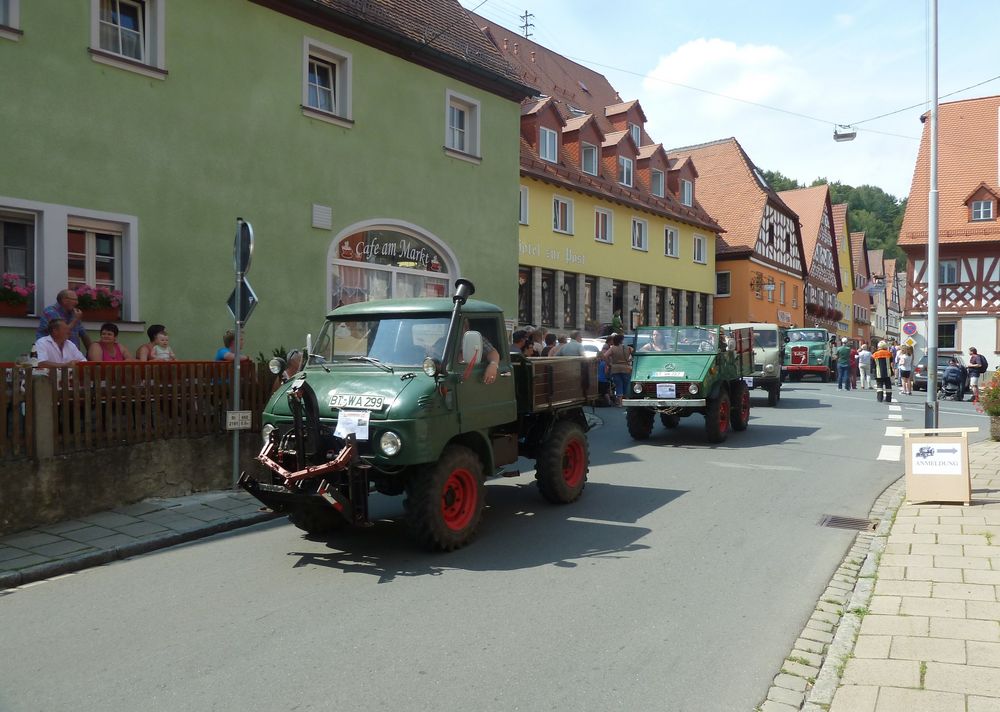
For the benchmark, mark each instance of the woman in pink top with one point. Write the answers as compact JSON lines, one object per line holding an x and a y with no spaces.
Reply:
{"x":107,"y":347}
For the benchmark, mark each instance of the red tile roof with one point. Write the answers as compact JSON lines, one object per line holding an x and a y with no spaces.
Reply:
{"x":843,"y":237}
{"x":729,"y":191}
{"x":576,"y":123}
{"x":623,"y":107}
{"x":967,"y":156}
{"x":859,"y":250}
{"x":809,"y":204}
{"x":439,"y":34}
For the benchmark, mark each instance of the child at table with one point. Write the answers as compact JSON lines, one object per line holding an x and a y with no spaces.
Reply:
{"x":161,"y":348}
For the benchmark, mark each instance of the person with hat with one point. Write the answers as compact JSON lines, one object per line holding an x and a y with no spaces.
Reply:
{"x":844,"y":365}
{"x":882,"y":371}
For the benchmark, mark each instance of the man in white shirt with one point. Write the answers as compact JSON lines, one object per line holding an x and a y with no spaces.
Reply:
{"x":573,"y":347}
{"x":56,"y":349}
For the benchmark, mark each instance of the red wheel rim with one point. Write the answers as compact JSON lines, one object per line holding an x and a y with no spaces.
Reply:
{"x":723,"y":416}
{"x":573,"y":463}
{"x":458,"y":499}
{"x":745,"y":406}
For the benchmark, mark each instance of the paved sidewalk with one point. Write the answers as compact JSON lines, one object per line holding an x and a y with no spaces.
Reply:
{"x":97,"y":539}
{"x":930,"y":637}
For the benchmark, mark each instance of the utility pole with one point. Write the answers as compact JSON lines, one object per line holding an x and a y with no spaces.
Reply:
{"x":931,"y":406}
{"x":525,"y":24}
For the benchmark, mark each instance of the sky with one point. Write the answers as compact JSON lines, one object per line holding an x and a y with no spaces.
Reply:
{"x":830,"y":63}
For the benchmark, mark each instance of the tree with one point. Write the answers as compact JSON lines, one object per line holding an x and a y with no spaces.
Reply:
{"x":778,"y":181}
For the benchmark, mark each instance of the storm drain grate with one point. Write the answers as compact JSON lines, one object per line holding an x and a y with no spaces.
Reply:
{"x":861,"y":525}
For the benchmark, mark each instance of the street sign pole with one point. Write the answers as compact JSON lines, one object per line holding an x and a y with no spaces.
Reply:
{"x":931,"y":404}
{"x":242,"y":252}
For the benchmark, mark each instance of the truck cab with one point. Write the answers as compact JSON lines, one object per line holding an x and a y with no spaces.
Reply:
{"x":807,"y":351}
{"x":768,"y":356}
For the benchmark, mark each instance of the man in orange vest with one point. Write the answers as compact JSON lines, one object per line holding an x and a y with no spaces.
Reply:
{"x":882,"y":372}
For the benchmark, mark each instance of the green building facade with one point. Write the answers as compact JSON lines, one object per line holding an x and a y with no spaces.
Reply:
{"x":373,"y":147}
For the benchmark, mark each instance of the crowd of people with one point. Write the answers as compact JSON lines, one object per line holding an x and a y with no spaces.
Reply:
{"x":61,"y":339}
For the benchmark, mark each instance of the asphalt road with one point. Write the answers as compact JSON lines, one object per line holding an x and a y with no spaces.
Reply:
{"x":678,"y":582}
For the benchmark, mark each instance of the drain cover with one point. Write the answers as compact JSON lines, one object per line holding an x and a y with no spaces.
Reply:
{"x":861,"y":525}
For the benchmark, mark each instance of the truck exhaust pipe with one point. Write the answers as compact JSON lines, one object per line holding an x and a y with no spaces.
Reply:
{"x":463,"y":290}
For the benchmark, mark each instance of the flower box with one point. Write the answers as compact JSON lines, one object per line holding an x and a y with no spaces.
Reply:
{"x":8,"y":309}
{"x":102,"y":314}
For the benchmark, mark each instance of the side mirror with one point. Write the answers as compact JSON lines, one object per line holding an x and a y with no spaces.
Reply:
{"x":472,"y":347}
{"x":276,"y":365}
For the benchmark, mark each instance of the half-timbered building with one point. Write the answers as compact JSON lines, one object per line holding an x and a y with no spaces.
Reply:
{"x":822,"y":260}
{"x":893,"y":310}
{"x":861,"y":297}
{"x":968,"y":298}
{"x":880,"y":308}
{"x":760,"y":264}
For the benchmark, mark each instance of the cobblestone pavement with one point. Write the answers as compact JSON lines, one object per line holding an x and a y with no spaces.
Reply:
{"x":911,"y":620}
{"x":96,"y":539}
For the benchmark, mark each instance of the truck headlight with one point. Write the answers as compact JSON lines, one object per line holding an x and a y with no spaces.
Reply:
{"x":693,"y":389}
{"x":265,"y":433}
{"x":390,"y":443}
{"x":769,"y":368}
{"x":637,"y":388}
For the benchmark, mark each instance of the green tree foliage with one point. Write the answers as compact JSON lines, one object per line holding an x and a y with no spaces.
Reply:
{"x":869,"y":209}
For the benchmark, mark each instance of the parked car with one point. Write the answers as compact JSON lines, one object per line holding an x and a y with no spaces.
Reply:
{"x":592,"y":347}
{"x":920,"y":372}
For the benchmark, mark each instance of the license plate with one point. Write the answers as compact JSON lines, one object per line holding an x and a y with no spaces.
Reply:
{"x":749,"y":381}
{"x":347,"y":400}
{"x":666,"y":390}
{"x":669,"y":374}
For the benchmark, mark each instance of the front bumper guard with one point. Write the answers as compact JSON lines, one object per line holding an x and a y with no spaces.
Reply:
{"x":664,"y":402}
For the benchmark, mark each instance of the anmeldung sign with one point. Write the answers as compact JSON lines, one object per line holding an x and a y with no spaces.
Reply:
{"x":937,"y":459}
{"x":937,"y":465}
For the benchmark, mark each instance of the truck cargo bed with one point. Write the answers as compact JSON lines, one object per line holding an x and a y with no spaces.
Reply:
{"x":544,"y":383}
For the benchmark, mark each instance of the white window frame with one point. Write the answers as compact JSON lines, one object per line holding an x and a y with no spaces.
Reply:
{"x":548,"y":144}
{"x":671,"y":242}
{"x":11,"y":30}
{"x":341,"y":64}
{"x":558,"y":200}
{"x":522,"y":213}
{"x":625,"y":176}
{"x":984,"y":208}
{"x":635,"y":131}
{"x":687,"y":192}
{"x":52,"y":221}
{"x":584,"y":149}
{"x":781,"y":293}
{"x":472,"y":109}
{"x":701,"y":245}
{"x":795,"y":296}
{"x":609,"y":217}
{"x":656,"y":182}
{"x":728,"y":292}
{"x":640,"y":228}
{"x":945,"y":267}
{"x":154,"y":62}
{"x":90,"y":229}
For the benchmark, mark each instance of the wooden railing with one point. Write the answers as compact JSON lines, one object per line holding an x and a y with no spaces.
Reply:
{"x":108,"y":404}
{"x":17,"y":415}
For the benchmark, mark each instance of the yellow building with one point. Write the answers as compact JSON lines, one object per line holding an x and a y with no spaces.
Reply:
{"x":845,"y":298}
{"x":608,"y":221}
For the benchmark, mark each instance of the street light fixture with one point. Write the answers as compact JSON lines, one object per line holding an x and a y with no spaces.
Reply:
{"x":844,"y":132}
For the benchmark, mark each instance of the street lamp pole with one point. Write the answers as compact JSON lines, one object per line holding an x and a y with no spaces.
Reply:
{"x":931,"y":404}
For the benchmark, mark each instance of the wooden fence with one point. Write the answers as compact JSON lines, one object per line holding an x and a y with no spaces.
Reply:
{"x":109,"y":404}
{"x":17,"y":415}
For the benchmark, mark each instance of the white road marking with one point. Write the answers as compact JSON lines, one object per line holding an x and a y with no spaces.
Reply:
{"x":895,"y":407}
{"x":890,"y":453}
{"x":893,"y":431}
{"x":895,"y":416}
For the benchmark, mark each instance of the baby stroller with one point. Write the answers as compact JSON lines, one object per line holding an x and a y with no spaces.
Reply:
{"x":950,"y":386}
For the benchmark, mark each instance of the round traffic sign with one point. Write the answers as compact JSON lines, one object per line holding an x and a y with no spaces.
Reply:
{"x":243,"y":246}
{"x":909,"y":328}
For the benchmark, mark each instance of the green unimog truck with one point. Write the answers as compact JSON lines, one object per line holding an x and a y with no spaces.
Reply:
{"x":422,"y":397}
{"x":681,"y":370}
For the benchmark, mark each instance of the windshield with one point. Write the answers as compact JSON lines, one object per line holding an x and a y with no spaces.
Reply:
{"x":765,"y":339}
{"x":677,"y":339}
{"x":807,"y":335}
{"x":395,"y":341}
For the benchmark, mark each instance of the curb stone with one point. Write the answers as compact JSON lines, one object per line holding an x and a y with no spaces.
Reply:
{"x":849,"y":591}
{"x":13,"y":579}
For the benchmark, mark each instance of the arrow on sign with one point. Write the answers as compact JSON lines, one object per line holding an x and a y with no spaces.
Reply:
{"x":953,"y":451}
{"x":248,"y":300}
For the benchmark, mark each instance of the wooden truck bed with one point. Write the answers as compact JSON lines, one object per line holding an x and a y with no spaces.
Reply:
{"x":545,"y":383}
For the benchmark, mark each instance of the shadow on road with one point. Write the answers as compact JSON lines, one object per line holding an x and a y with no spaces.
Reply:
{"x":519,"y":531}
{"x":801,"y":403}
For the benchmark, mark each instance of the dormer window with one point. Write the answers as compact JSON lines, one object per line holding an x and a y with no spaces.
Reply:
{"x":687,"y":192}
{"x":548,"y":145}
{"x":625,"y":171}
{"x":636,"y":133}
{"x":982,"y":210}
{"x":588,"y":159}
{"x":656,"y":183}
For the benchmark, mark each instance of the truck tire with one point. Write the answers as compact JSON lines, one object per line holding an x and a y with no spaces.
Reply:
{"x":739,"y":413}
{"x":563,"y":462}
{"x":316,"y":521}
{"x":717,"y":418}
{"x":444,"y":502}
{"x":773,"y":395}
{"x":670,"y":420}
{"x":639,"y":422}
